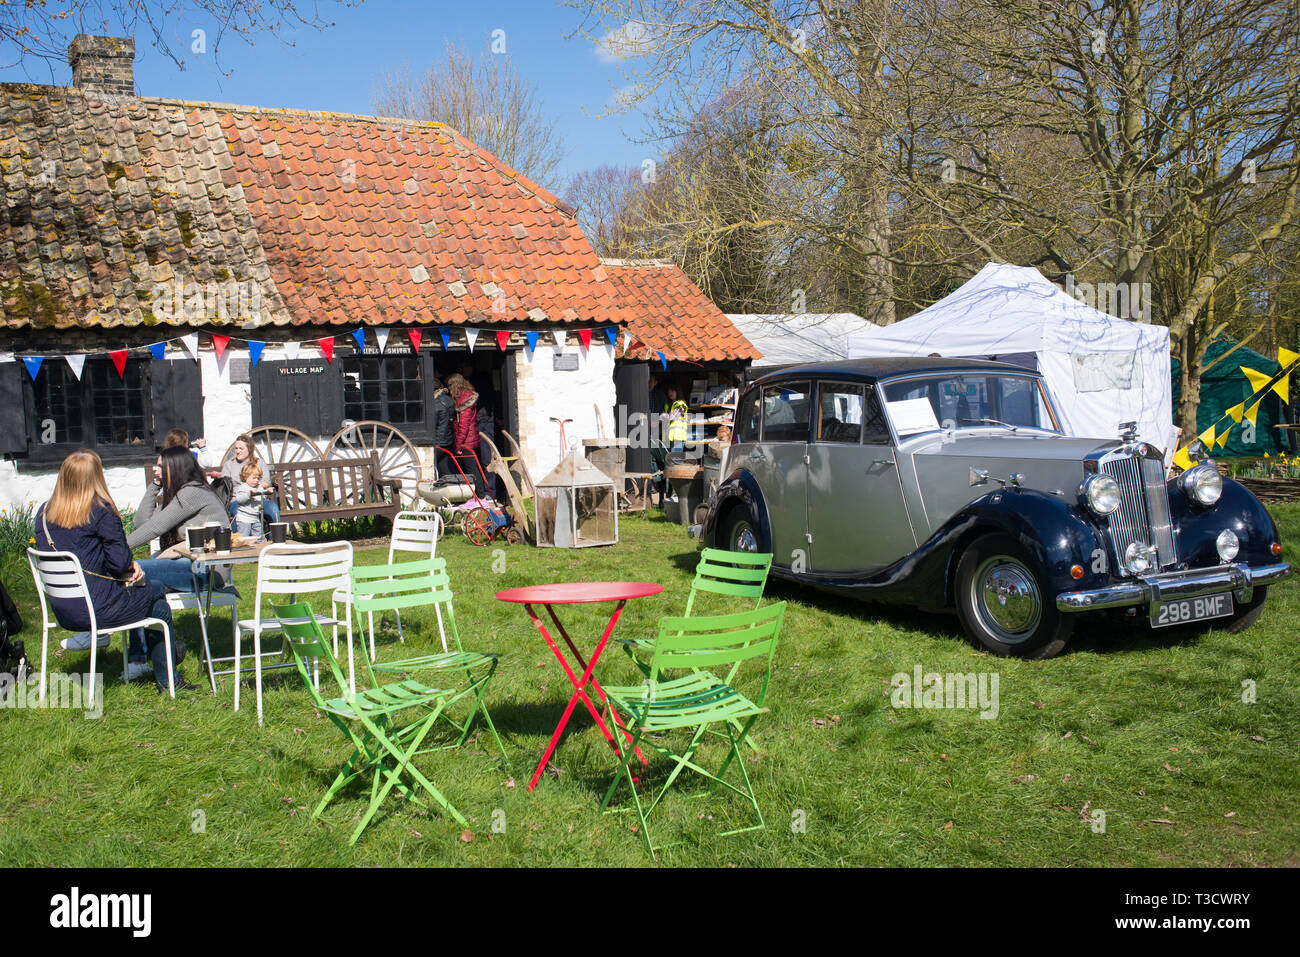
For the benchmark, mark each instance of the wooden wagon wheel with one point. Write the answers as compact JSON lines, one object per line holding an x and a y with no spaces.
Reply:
{"x":273,"y":444}
{"x":398,"y":458}
{"x":478,"y":526}
{"x":514,"y":535}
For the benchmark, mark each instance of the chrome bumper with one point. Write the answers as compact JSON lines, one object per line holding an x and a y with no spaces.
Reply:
{"x":1153,"y":589}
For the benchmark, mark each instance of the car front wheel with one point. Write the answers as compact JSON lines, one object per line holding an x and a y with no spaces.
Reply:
{"x":738,"y":533}
{"x":1004,"y":605}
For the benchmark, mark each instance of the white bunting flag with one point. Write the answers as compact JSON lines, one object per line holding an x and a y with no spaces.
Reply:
{"x":76,"y":362}
{"x":559,"y":338}
{"x":191,"y":343}
{"x":291,"y":350}
{"x":471,"y":335}
{"x":627,"y":340}
{"x":381,"y":335}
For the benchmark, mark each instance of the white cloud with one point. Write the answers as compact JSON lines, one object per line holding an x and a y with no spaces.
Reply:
{"x":632,"y":39}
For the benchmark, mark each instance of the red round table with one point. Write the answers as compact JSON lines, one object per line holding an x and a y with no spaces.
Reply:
{"x":578,"y":593}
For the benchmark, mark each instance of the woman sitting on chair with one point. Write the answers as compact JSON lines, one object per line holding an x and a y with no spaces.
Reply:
{"x":80,"y":518}
{"x":187,"y":500}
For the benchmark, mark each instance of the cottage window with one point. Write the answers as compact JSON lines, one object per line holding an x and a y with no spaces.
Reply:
{"x":385,"y":388}
{"x":100,"y":411}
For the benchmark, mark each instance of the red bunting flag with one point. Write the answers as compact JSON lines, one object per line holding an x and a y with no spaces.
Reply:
{"x":415,"y":335}
{"x":584,"y":336}
{"x":503,"y":336}
{"x":219,"y":344}
{"x":119,"y":362}
{"x":327,"y":347}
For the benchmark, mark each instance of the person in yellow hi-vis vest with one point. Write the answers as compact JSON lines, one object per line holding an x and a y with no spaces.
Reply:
{"x":675,"y":410}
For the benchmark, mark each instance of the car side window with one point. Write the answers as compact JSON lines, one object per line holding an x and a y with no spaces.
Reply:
{"x":875,"y":430}
{"x":839,"y":412}
{"x":749,"y":416}
{"x":785,"y":412}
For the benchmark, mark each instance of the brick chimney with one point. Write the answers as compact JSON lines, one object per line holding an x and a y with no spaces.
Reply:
{"x":103,"y":64}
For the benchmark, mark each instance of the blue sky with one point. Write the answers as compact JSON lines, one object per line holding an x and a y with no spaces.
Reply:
{"x":336,"y":69}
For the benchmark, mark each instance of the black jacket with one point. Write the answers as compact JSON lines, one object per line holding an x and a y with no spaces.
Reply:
{"x":444,"y":413}
{"x":100,"y":546}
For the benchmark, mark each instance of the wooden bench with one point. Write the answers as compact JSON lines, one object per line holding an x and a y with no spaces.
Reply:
{"x":334,"y":488}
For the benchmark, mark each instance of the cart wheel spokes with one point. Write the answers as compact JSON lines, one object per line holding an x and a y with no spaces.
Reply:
{"x":398,"y":458}
{"x":478,"y":526}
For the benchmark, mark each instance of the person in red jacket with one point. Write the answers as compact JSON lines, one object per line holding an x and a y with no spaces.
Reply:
{"x":465,"y":427}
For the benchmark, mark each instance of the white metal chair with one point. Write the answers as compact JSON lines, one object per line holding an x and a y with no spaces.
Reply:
{"x":60,"y":575}
{"x":297,"y":569}
{"x":412,"y":532}
{"x":189,"y":601}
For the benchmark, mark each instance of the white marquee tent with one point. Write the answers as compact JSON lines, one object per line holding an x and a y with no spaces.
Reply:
{"x":799,"y":337}
{"x":1099,"y":369}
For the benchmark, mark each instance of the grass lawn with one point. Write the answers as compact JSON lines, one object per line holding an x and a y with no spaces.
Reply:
{"x":1149,"y":728}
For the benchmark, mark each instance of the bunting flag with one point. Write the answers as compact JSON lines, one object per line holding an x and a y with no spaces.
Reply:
{"x":1182,"y":459}
{"x":360,"y":336}
{"x":1286,"y":357}
{"x":663,"y":360}
{"x":119,"y":362}
{"x":584,"y":336}
{"x":33,"y":364}
{"x":611,"y":333}
{"x":327,"y":347}
{"x":532,"y":340}
{"x":291,"y":350}
{"x":415,"y":335}
{"x":559,"y":338}
{"x":1207,"y":437}
{"x":159,"y":350}
{"x":503,"y":337}
{"x":1252,"y":412}
{"x":381,"y":335}
{"x":1258,"y":380}
{"x":627,"y":340}
{"x":191,"y":343}
{"x":76,"y":363}
{"x":1237,"y":411}
{"x":219,"y":344}
{"x":255,"y":351}
{"x":445,"y":333}
{"x":471,"y":336}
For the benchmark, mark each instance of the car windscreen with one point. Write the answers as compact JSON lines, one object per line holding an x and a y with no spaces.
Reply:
{"x":951,"y":401}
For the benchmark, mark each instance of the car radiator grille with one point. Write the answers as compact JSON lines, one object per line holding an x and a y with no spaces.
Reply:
{"x":1143,"y":513}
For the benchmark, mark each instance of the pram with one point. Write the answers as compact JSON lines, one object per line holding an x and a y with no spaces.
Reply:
{"x":481,"y":520}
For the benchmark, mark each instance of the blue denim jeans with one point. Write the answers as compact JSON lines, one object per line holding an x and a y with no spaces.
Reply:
{"x":156,"y":649}
{"x":269,"y":509}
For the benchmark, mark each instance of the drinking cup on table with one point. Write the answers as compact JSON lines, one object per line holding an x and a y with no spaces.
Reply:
{"x":196,"y":534}
{"x":279,"y":532}
{"x":223,"y":539}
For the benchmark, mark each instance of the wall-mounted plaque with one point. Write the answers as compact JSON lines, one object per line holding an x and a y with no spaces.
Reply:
{"x":565,"y":362}
{"x":240,"y":371}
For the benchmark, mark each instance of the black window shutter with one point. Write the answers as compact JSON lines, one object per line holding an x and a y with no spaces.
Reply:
{"x":632,"y":395}
{"x":270,"y":394}
{"x":13,"y":413}
{"x":328,"y":387}
{"x":177,"y":397}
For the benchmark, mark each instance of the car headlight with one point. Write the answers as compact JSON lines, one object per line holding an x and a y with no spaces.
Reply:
{"x":1227,"y":545}
{"x":1203,"y":483}
{"x":1101,"y":492}
{"x":1139,"y":557}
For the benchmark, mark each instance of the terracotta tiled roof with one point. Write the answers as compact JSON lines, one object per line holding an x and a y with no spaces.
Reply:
{"x":668,"y":313}
{"x":334,"y":219}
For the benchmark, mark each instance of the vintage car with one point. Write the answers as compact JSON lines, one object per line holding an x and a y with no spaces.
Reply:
{"x":948,"y":484}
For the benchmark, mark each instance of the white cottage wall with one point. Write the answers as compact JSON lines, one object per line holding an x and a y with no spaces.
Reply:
{"x":544,"y":392}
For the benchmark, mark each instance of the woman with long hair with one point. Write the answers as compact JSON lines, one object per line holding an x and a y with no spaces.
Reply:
{"x":80,"y":517}
{"x":465,"y":429}
{"x":186,"y":500}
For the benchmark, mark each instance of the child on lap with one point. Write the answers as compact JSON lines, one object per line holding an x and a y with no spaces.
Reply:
{"x":248,"y":517}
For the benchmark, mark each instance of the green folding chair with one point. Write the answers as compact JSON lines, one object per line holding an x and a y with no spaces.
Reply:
{"x":740,"y":575}
{"x":697,"y":700}
{"x":367,"y":719}
{"x":380,"y":588}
